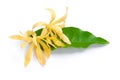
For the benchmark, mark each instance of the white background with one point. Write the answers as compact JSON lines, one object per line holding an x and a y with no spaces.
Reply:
{"x":101,"y":17}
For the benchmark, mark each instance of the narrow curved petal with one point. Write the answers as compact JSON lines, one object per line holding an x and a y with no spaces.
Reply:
{"x":49,"y":42}
{"x":64,"y":38}
{"x":17,"y":37}
{"x":62,"y":25}
{"x":45,"y":48}
{"x":28,"y":55}
{"x":57,"y":29}
{"x":53,"y":15}
{"x":59,"y":32}
{"x":34,"y":40}
{"x":39,"y":24}
{"x":44,"y":32}
{"x":40,"y":57}
{"x":62,"y":18}
{"x":57,"y":42}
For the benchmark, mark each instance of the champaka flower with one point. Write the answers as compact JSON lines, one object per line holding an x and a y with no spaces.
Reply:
{"x":54,"y":27}
{"x":36,"y":42}
{"x":43,"y":43}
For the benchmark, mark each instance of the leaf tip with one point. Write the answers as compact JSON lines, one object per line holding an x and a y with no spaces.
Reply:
{"x":101,"y":40}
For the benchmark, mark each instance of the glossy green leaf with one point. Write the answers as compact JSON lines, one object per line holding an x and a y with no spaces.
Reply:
{"x":80,"y":38}
{"x":38,"y":32}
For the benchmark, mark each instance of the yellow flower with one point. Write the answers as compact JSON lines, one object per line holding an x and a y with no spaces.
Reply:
{"x":36,"y":42}
{"x":54,"y":27}
{"x":47,"y":39}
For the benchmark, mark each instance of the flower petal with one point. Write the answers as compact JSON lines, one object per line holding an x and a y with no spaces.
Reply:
{"x":34,"y":40}
{"x":39,"y":24}
{"x":56,"y":29}
{"x":64,"y":38}
{"x":62,"y":18}
{"x":44,"y":32}
{"x":59,"y":32}
{"x":45,"y":48}
{"x":53,"y":15}
{"x":17,"y":37}
{"x":40,"y":56}
{"x":50,"y":42}
{"x":62,"y":25}
{"x":28,"y":55}
{"x":57,"y":42}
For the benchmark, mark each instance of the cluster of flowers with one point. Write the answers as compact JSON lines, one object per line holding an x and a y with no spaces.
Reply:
{"x":51,"y":35}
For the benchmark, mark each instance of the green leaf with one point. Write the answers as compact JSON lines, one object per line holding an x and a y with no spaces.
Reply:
{"x":80,"y":38}
{"x":38,"y":32}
